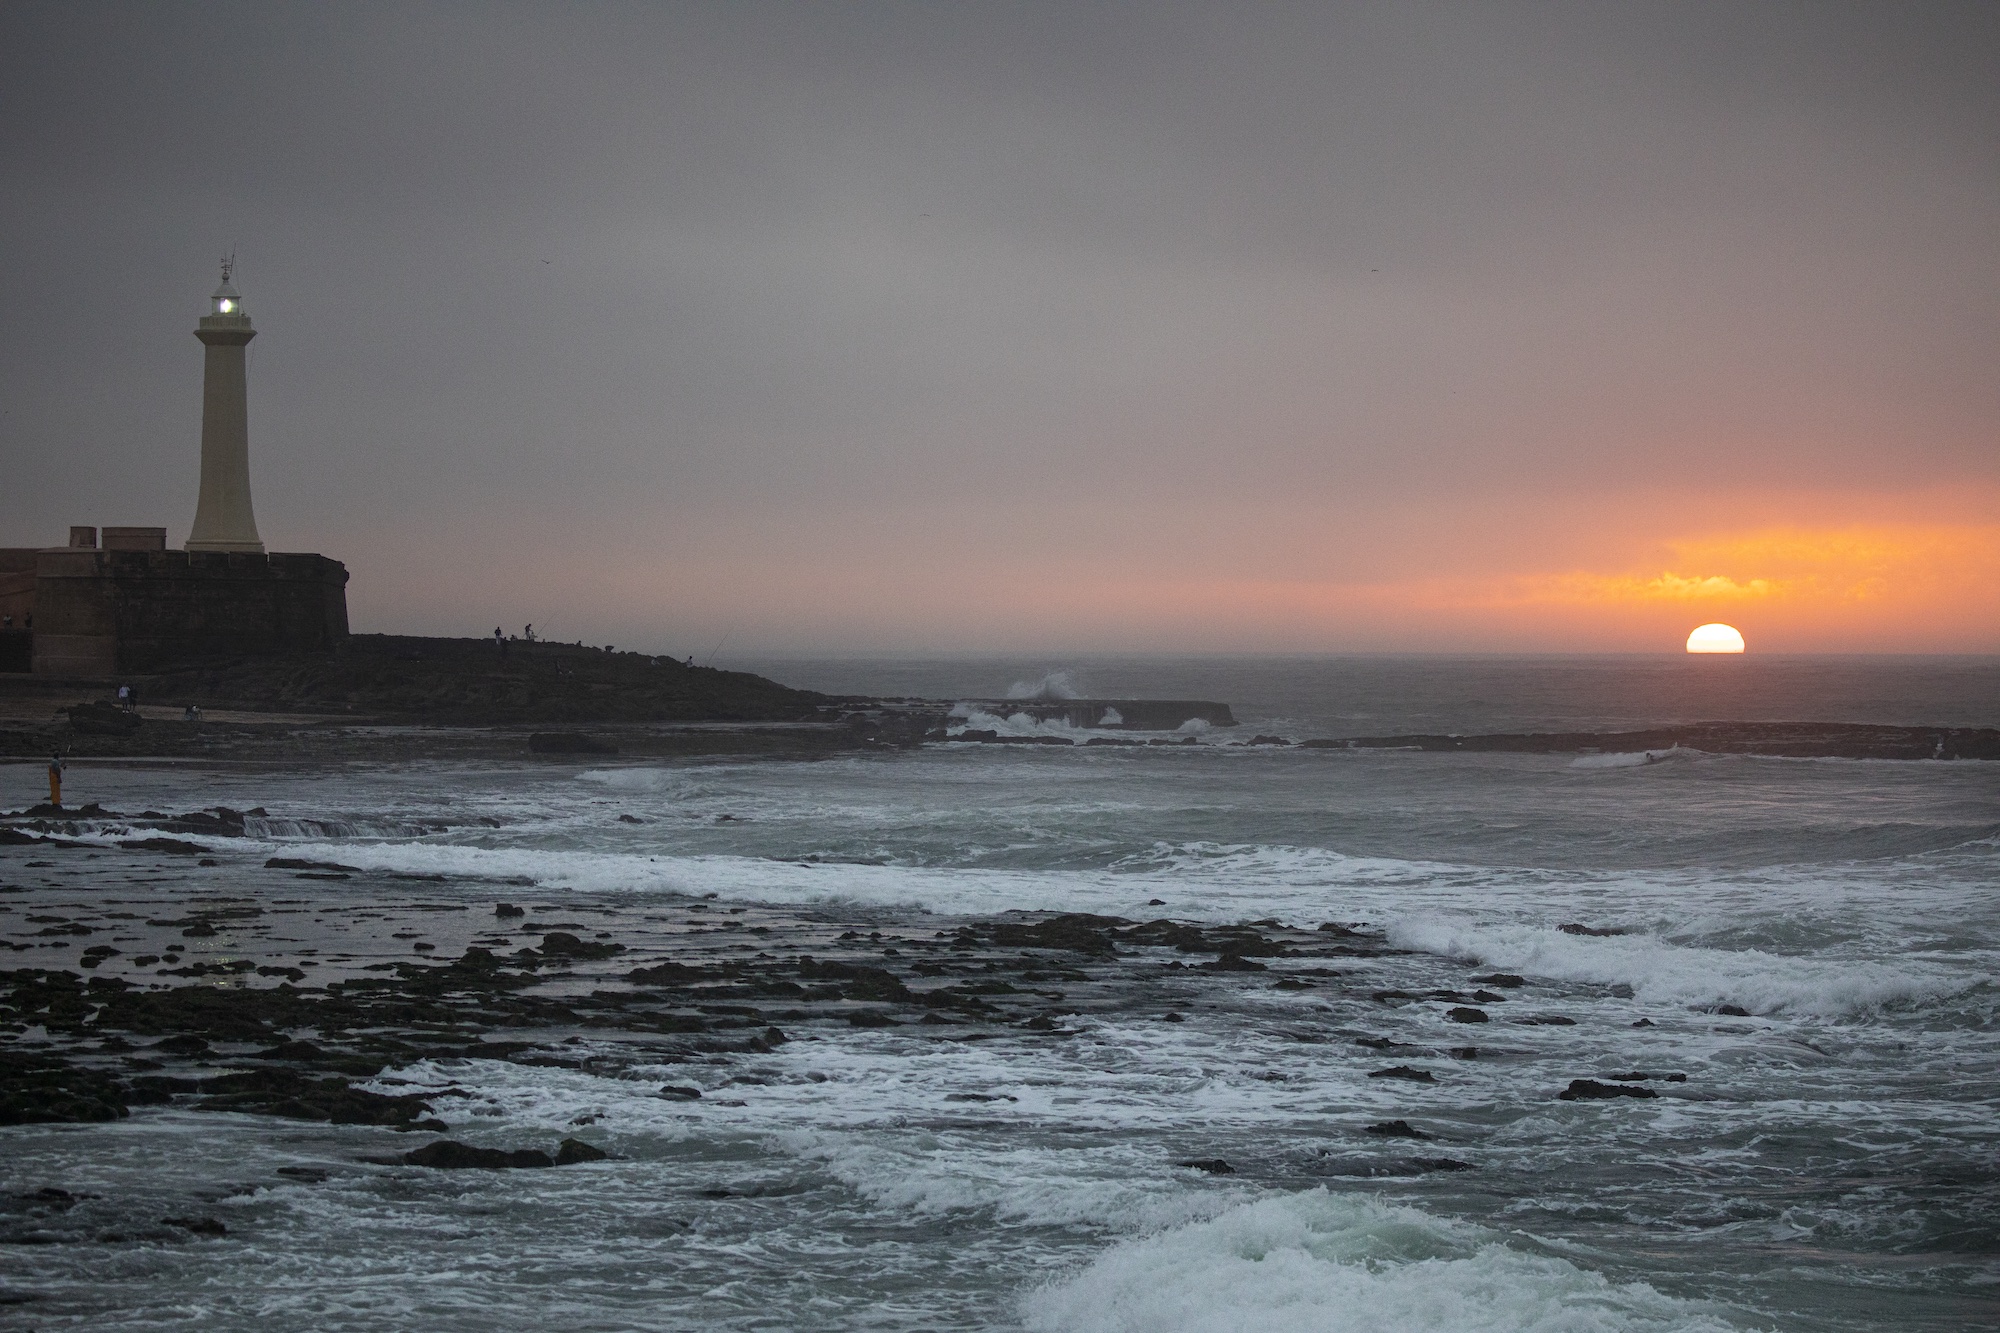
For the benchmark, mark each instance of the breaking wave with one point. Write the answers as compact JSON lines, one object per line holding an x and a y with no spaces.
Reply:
{"x":1661,"y":972}
{"x":1333,"y":1263}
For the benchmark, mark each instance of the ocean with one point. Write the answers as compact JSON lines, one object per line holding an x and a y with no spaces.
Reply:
{"x":1797,"y":959}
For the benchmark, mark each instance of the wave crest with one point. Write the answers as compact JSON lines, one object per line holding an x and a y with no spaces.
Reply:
{"x":1333,"y":1263}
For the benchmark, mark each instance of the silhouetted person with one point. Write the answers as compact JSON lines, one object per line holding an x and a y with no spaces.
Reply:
{"x":55,"y":779}
{"x":125,"y":697}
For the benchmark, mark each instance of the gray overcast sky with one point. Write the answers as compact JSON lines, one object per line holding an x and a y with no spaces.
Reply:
{"x":957,"y":326}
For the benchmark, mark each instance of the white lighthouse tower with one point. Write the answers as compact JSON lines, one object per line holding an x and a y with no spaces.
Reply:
{"x":222,"y":517}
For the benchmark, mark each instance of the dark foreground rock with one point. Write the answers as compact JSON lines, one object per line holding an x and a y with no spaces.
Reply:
{"x":1590,"y":1090}
{"x":447,"y":1155}
{"x":152,"y":1026}
{"x":1396,"y":1129}
{"x":1214,"y":1166}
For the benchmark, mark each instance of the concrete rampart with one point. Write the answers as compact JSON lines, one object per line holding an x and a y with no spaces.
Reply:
{"x":100,"y":612}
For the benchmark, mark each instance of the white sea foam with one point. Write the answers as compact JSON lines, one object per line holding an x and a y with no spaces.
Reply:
{"x":1333,"y":1263}
{"x":1054,"y":685}
{"x":1017,"y":724}
{"x":1637,"y":759}
{"x":1662,"y":972}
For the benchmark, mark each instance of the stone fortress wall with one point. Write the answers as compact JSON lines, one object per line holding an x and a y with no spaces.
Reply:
{"x":131,"y":605}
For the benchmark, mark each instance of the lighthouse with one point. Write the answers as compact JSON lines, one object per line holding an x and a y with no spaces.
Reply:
{"x":222,"y":517}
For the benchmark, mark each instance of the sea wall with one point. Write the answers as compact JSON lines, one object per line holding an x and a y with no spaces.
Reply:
{"x":99,"y":612}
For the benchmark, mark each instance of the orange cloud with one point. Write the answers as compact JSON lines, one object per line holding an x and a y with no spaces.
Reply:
{"x":1778,"y":567}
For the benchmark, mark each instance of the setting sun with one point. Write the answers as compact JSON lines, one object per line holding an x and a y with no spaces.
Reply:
{"x":1716,"y":638}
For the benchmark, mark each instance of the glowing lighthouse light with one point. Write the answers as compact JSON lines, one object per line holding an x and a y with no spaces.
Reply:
{"x":1715,"y":639}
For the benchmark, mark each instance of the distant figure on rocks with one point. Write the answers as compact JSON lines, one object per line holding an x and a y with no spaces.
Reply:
{"x":500,"y":641}
{"x":192,"y":713}
{"x":528,"y":632}
{"x":125,"y":697}
{"x":55,"y":779}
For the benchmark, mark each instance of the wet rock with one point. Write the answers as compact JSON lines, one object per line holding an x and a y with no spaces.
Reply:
{"x":507,"y":911}
{"x":1164,"y":933}
{"x":858,"y":980}
{"x":1404,"y":1072}
{"x":1504,"y":980}
{"x":200,"y":930}
{"x":572,"y":1151}
{"x":681,"y":1092}
{"x":449,"y":1155}
{"x":173,"y":846}
{"x":1589,"y":1089}
{"x":874,"y":1018}
{"x":1214,"y":1166}
{"x":1171,"y":1017}
{"x":297,"y":1096}
{"x":1396,"y":1129}
{"x":1546,"y":1021}
{"x":1637,"y":1077}
{"x":1731,"y":1011}
{"x":1231,"y":962}
{"x":1575,"y":928}
{"x":297,"y":863}
{"x":199,"y":1226}
{"x":1079,"y":932}
{"x":185,"y":1043}
{"x":666,"y":974}
{"x":1382,"y":1044}
{"x":1442,"y":1164}
{"x":310,"y":1175}
{"x":38,"y":1089}
{"x":1463,"y":1014}
{"x":1645,"y":1023}
{"x":157,"y":1089}
{"x":562,"y":944}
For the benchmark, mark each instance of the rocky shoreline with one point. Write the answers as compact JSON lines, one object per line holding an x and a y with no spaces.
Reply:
{"x":171,"y":972}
